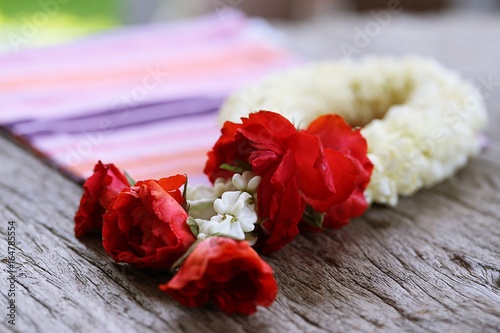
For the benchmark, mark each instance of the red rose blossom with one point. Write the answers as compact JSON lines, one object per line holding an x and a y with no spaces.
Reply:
{"x":98,"y":192}
{"x":336,"y":134}
{"x":298,"y":170}
{"x":146,"y":224}
{"x":225,"y":272}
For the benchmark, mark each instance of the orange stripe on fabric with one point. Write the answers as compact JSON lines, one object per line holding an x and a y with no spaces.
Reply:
{"x":218,"y":62}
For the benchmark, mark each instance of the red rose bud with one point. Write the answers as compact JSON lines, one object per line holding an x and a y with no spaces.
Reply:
{"x":146,"y":224}
{"x":225,"y":272}
{"x":98,"y":192}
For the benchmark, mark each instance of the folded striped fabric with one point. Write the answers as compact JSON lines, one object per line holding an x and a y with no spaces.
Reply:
{"x":143,"y":97}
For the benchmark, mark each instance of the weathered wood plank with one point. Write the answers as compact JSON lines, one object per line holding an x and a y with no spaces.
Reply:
{"x":432,"y":264}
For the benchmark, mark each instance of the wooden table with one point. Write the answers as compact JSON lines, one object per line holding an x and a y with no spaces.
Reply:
{"x":432,"y":264}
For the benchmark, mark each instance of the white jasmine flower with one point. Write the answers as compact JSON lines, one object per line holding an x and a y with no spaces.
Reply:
{"x":201,"y":201}
{"x":239,"y":205}
{"x":421,"y":121}
{"x":201,"y":197}
{"x":222,"y":185}
{"x":235,"y":216}
{"x":246,"y":182}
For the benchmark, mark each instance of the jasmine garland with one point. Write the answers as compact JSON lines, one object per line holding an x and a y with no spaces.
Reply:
{"x":272,"y":179}
{"x":421,"y":121}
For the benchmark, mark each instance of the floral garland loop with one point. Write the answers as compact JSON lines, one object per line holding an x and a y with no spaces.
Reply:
{"x":421,"y":121}
{"x":273,"y":177}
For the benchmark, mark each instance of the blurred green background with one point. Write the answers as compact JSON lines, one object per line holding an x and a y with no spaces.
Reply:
{"x":30,"y":23}
{"x":81,"y":8}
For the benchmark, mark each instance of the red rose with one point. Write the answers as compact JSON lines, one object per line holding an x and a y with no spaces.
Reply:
{"x":146,"y":224}
{"x":98,"y":192}
{"x":335,"y":133}
{"x":297,"y":170}
{"x":225,"y":272}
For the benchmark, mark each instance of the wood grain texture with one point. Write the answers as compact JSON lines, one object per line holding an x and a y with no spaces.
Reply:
{"x":430,"y":265}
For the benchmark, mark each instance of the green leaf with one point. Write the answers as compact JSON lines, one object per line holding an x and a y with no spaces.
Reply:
{"x":244,"y":165}
{"x":181,"y":260}
{"x":232,"y":168}
{"x":185,"y":203}
{"x":130,"y":180}
{"x":184,"y":191}
{"x":195,"y":229}
{"x":240,"y":167}
{"x":313,"y":217}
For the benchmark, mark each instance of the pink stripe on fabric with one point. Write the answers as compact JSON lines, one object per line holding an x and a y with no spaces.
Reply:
{"x":185,"y":31}
{"x":120,"y":138}
{"x":159,"y":145}
{"x":221,"y":77}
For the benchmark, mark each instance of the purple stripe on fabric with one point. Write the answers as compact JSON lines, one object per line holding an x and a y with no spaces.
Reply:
{"x":120,"y":118}
{"x":91,"y":114}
